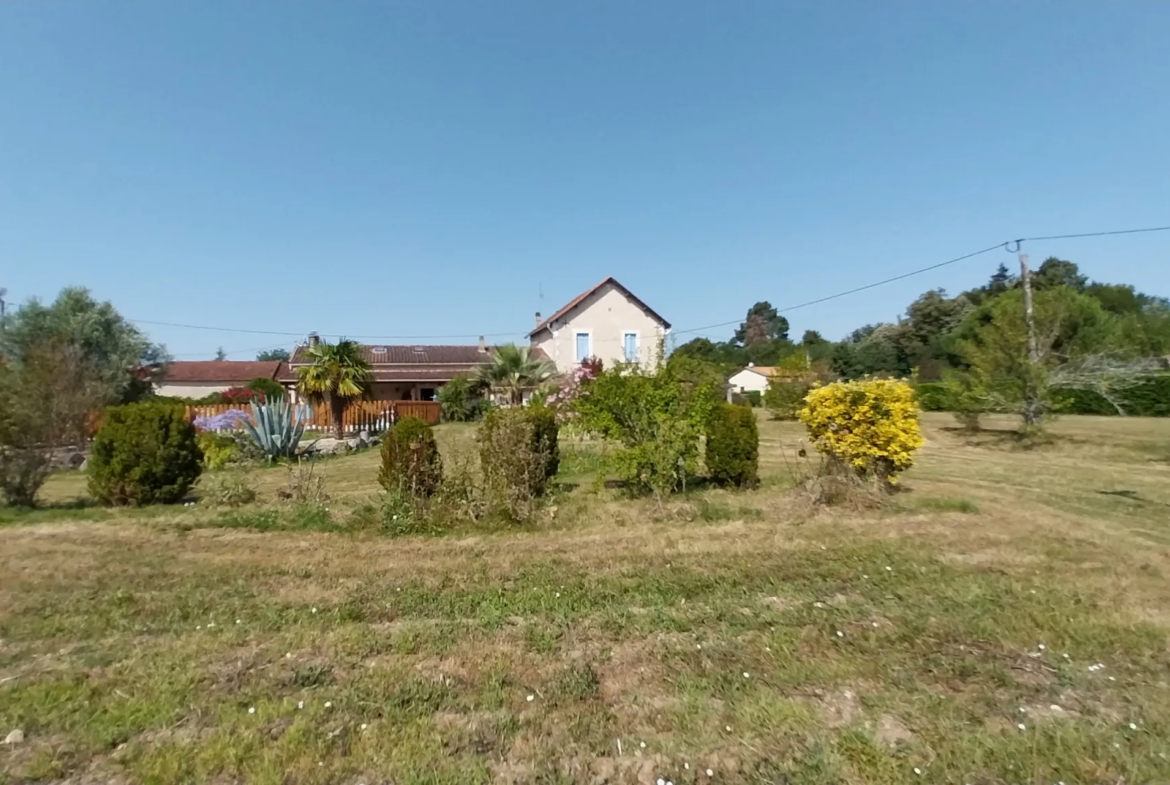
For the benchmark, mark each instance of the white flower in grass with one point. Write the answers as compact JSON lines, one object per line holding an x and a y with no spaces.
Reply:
{"x":1040,"y":646}
{"x":875,"y":624}
{"x":840,"y":634}
{"x":531,"y":698}
{"x":917,"y":770}
{"x":1112,"y":679}
{"x":710,"y":773}
{"x":364,"y":726}
{"x":1132,"y":726}
{"x":1022,"y":726}
{"x":210,"y":624}
{"x":889,"y":569}
{"x":252,"y":710}
{"x":746,"y":675}
{"x":728,"y":729}
{"x":660,"y":781}
{"x":237,"y":621}
{"x":300,"y":704}
{"x":642,"y":744}
{"x":328,"y":704}
{"x":686,"y":765}
{"x":313,"y":610}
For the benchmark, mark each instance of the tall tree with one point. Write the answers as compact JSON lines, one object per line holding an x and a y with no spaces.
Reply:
{"x":273,"y":355}
{"x":513,"y":371}
{"x":337,"y":375}
{"x":1058,"y":272}
{"x":762,"y":323}
{"x":220,"y":354}
{"x":1071,"y":330}
{"x":114,"y":348}
{"x":45,"y":403}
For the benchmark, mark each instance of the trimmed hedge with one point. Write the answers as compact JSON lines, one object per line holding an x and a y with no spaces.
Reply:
{"x":144,"y":453}
{"x":508,"y":432}
{"x":1150,"y":398}
{"x":733,"y":446}
{"x":410,"y":458}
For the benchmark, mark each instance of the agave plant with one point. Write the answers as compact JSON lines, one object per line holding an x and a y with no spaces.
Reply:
{"x":277,"y":431}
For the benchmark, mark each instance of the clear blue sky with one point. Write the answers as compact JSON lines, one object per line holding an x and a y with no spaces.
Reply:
{"x":426,"y":168}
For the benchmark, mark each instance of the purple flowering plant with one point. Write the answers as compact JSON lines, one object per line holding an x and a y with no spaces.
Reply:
{"x":227,"y":421}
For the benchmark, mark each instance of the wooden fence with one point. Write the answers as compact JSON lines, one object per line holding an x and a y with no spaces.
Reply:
{"x":359,"y":416}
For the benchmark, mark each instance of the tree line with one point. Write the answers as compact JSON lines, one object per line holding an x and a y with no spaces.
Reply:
{"x":938,"y":331}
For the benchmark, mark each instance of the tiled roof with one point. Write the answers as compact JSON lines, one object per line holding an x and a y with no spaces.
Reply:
{"x":220,"y":371}
{"x":585,"y":295}
{"x":410,"y":363}
{"x":378,"y":354}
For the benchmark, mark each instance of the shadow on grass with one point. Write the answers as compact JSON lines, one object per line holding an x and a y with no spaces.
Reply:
{"x":1134,"y":496}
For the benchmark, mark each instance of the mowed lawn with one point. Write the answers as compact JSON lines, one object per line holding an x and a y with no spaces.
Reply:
{"x":1003,"y":620}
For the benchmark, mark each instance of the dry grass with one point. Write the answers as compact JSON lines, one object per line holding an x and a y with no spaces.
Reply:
{"x":873,"y":643}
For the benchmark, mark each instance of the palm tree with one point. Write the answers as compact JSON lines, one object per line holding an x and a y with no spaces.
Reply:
{"x":513,"y":371}
{"x":338,"y":374}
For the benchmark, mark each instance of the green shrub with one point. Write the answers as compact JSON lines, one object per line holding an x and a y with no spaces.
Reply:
{"x":219,"y":449}
{"x":1149,"y":398}
{"x":755,"y":398}
{"x":410,"y":459}
{"x":270,"y":388}
{"x":144,"y":453}
{"x":933,"y":397}
{"x":656,"y":416}
{"x":519,"y":454}
{"x":733,"y":446}
{"x":227,"y":489}
{"x":785,"y":398}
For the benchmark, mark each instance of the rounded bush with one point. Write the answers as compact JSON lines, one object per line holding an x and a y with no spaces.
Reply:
{"x":733,"y":446}
{"x":410,"y":459}
{"x":870,"y":425}
{"x":144,"y":453}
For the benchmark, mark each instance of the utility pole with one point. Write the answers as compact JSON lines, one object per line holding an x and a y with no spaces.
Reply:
{"x":1033,"y":408}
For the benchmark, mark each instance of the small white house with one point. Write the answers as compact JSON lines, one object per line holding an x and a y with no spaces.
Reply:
{"x":607,"y":322}
{"x":753,"y":378}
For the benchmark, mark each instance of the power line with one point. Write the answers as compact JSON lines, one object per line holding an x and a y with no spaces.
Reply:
{"x":1004,"y":245}
{"x":1095,"y":234}
{"x":324,"y":335}
{"x":854,"y":291}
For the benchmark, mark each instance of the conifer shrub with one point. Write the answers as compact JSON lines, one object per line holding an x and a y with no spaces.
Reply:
{"x":733,"y":446}
{"x":411,"y":462}
{"x":519,"y":454}
{"x":144,"y":453}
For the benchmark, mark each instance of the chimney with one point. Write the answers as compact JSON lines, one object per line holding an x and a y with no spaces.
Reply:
{"x":314,"y":339}
{"x":482,"y":345}
{"x":538,"y":319}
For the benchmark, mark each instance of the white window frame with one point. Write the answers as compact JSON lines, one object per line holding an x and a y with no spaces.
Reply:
{"x":577,"y":333}
{"x":637,"y":346}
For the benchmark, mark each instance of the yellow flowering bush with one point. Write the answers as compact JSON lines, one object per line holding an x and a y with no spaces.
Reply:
{"x":870,"y":425}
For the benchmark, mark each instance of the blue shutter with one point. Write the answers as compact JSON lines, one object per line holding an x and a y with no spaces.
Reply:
{"x":631,"y":347}
{"x":582,"y":346}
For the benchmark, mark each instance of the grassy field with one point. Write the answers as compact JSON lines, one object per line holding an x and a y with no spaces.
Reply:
{"x":1003,"y":620}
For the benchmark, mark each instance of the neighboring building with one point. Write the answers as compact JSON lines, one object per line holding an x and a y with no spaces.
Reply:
{"x":202,"y":378}
{"x":753,"y":378}
{"x":607,"y":322}
{"x":406,"y":373}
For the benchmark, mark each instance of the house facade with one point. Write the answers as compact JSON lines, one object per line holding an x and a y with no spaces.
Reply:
{"x":202,"y":378}
{"x":607,"y":322}
{"x":753,"y":378}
